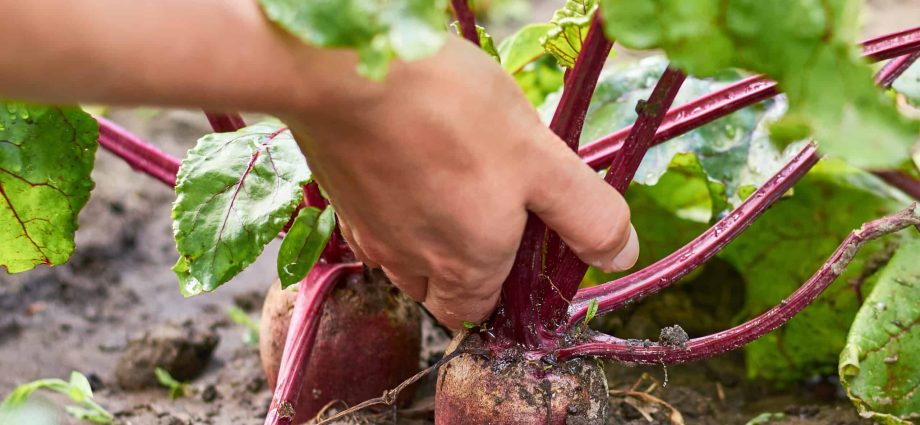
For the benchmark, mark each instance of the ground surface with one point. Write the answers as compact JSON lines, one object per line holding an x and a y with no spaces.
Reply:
{"x":118,"y":286}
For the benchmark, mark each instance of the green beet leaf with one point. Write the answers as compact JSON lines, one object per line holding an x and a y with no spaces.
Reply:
{"x":879,"y":366}
{"x":304,"y":243}
{"x":235,"y":192}
{"x":570,"y":27}
{"x":46,"y":157}
{"x":380,"y":31}
{"x":808,"y":47}
{"x":783,"y":248}
{"x":523,"y":47}
{"x":539,"y":79}
{"x":908,"y":84}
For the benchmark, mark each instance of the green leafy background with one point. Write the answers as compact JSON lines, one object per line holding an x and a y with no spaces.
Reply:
{"x":788,"y":244}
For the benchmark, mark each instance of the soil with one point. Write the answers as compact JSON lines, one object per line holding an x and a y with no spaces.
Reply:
{"x":116,"y":306}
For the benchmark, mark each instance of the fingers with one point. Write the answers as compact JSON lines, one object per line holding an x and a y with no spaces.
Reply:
{"x":353,"y":244}
{"x":588,"y":214}
{"x":457,"y":297}
{"x":453,"y":307}
{"x":414,"y":286}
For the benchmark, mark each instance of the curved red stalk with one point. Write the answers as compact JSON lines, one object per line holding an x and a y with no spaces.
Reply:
{"x":902,"y":181}
{"x":519,"y":317}
{"x":894,"y":44}
{"x":697,"y":348}
{"x":720,"y":103}
{"x":664,"y":272}
{"x":308,"y":306}
{"x":894,"y":68}
{"x":466,"y":20}
{"x":138,"y":154}
{"x":225,"y":122}
{"x":568,"y":270}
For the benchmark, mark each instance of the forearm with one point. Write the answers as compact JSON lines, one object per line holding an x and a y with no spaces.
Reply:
{"x":221,"y":54}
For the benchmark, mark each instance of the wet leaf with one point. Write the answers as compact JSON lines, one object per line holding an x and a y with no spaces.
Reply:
{"x":570,"y":27}
{"x":523,"y":47}
{"x":809,"y":47}
{"x":304,"y":243}
{"x":380,"y":31}
{"x":783,"y":248}
{"x":235,"y":192}
{"x":46,"y":157}
{"x":879,"y":367}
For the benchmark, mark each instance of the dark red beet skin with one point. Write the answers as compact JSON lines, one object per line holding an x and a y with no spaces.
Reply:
{"x":368,"y":341}
{"x":474,"y":389}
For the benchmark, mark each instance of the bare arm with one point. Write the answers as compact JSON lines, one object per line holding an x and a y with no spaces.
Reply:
{"x":203,"y":53}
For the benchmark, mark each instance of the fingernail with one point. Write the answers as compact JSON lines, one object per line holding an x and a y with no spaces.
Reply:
{"x":630,"y":253}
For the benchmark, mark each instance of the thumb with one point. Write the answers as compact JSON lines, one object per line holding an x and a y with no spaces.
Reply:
{"x":587,"y":213}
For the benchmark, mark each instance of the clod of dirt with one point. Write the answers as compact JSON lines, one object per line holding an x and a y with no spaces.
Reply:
{"x":673,"y":336}
{"x":183,"y":350}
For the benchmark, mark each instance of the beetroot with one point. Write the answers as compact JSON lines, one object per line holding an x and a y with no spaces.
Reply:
{"x":368,"y":341}
{"x":475,"y":389}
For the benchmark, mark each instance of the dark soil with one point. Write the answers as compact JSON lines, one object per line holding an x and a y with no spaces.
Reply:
{"x":115,"y":309}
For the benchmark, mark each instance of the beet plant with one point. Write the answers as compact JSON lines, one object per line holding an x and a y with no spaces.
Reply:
{"x":702,"y":149}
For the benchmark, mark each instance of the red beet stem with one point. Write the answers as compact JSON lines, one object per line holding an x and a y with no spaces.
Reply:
{"x":569,"y":270}
{"x":225,"y":122}
{"x":519,"y":317}
{"x":466,"y":20}
{"x":302,"y":332}
{"x":138,"y":154}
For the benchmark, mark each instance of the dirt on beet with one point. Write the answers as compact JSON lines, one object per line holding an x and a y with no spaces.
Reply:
{"x":115,"y":310}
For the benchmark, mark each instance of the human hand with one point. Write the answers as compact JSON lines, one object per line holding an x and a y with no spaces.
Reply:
{"x":432,"y":173}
